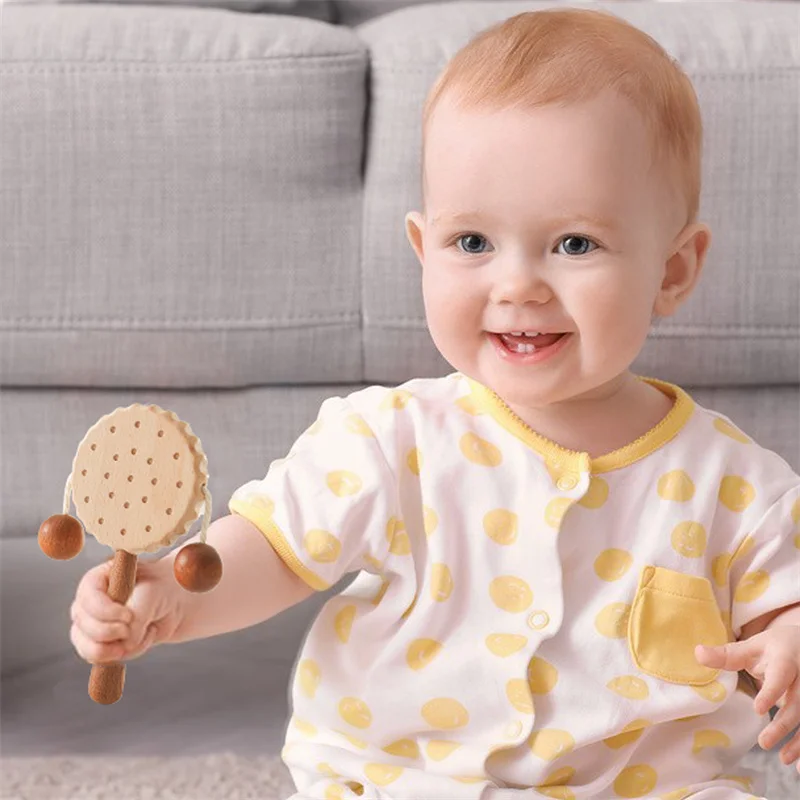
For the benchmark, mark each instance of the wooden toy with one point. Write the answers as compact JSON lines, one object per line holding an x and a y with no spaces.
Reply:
{"x":139,"y":480}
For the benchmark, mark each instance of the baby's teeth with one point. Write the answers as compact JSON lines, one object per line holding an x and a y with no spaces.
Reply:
{"x":522,"y":347}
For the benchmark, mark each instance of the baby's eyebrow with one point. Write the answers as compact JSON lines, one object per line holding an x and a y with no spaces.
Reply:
{"x":556,"y":222}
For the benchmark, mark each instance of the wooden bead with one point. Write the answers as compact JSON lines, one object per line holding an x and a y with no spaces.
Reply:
{"x":61,"y":537}
{"x":198,"y":567}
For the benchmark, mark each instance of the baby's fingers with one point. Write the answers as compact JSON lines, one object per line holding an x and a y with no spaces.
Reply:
{"x":99,"y":629}
{"x":93,"y":651}
{"x":779,"y":676}
{"x":785,"y":721}
{"x":92,"y":600}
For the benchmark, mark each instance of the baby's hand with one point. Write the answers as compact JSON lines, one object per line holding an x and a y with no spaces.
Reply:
{"x":772,"y":657}
{"x":104,"y":631}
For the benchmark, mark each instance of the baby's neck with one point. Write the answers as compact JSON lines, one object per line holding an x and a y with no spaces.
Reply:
{"x":600,"y":425}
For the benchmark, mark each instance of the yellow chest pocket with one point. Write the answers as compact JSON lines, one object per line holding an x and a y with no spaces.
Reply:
{"x":672,"y":613}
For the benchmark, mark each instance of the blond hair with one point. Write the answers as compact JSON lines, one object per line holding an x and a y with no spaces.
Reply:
{"x":571,"y":55}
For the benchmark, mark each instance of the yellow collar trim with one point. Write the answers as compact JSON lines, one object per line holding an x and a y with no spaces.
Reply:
{"x":666,"y":430}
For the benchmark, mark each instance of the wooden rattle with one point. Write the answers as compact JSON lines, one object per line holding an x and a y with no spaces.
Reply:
{"x":138,"y":481}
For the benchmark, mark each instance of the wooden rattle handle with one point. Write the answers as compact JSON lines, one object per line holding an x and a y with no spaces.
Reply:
{"x":106,"y":680}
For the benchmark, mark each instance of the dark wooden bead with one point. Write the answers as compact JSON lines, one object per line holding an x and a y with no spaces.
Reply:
{"x":61,"y":537}
{"x":198,"y":567}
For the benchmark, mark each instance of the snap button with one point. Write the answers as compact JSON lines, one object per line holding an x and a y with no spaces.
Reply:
{"x":538,"y":620}
{"x":567,"y":482}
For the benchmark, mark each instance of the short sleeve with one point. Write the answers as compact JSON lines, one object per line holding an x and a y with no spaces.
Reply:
{"x":765,"y":568}
{"x":327,"y":507}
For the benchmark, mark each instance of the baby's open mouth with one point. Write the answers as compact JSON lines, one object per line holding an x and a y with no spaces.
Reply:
{"x":519,"y":342}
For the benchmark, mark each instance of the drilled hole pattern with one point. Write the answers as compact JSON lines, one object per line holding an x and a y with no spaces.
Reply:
{"x":114,"y":518}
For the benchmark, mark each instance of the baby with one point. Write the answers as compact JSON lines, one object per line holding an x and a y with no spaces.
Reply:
{"x":562,"y":567}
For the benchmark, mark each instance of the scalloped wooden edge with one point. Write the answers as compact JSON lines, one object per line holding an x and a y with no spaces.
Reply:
{"x":201,"y":462}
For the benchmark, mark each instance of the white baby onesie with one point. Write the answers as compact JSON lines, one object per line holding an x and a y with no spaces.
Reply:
{"x":524,"y":617}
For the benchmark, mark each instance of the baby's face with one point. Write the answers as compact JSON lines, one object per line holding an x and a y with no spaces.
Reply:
{"x":547,"y":220}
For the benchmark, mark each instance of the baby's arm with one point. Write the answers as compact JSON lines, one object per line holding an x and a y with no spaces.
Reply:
{"x":256,"y":584}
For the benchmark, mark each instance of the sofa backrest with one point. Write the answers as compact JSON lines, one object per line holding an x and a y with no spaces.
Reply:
{"x":203,"y":198}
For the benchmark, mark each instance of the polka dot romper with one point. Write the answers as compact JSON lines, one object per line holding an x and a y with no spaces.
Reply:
{"x":523,"y":616}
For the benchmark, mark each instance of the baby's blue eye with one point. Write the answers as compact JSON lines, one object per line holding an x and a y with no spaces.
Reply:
{"x":472,"y":243}
{"x":571,"y":242}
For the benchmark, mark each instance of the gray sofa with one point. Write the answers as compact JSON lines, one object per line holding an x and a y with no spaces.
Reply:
{"x":203,"y":209}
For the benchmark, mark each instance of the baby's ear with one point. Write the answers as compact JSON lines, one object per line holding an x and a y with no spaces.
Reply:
{"x":682,"y":269}
{"x":415,"y":227}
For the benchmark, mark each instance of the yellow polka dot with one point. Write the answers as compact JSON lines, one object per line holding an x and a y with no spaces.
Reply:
{"x":560,"y":777}
{"x":322,"y":546}
{"x":629,"y":686}
{"x":796,"y":511}
{"x":265,"y":504}
{"x":355,"y":787}
{"x":550,"y":744}
{"x":561,"y":792}
{"x":730,"y":430}
{"x":479,"y":451}
{"x":678,"y":794}
{"x":384,"y":587}
{"x":542,"y":676}
{"x":397,"y":399}
{"x":354,"y":740}
{"x":797,"y":540}
{"x":596,"y":495}
{"x":714,"y":692}
{"x":736,"y":493}
{"x":612,"y":621}
{"x":676,"y":486}
{"x":405,"y":748}
{"x":421,"y":652}
{"x":355,"y":423}
{"x":500,"y":525}
{"x":327,"y":770}
{"x":612,"y":564}
{"x":510,"y":593}
{"x":709,"y":738}
{"x":382,"y":774}
{"x":343,"y":623}
{"x":334,"y":791}
{"x":744,"y":549}
{"x":556,"y":509}
{"x":468,"y":405}
{"x":445,"y":713}
{"x":438,"y":749}
{"x":308,"y":676}
{"x":355,"y":712}
{"x":305,"y":728}
{"x":505,"y":644}
{"x":414,"y":460}
{"x":408,"y":611}
{"x":314,"y":428}
{"x":372,"y":561}
{"x":751,"y":586}
{"x":519,"y":695}
{"x":720,"y":568}
{"x":469,"y":778}
{"x":628,"y":735}
{"x":441,"y":582}
{"x":343,"y":483}
{"x":430,"y":520}
{"x":689,"y":539}
{"x":397,"y":534}
{"x":636,"y":781}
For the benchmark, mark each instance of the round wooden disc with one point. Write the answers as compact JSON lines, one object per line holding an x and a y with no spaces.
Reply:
{"x":138,"y":478}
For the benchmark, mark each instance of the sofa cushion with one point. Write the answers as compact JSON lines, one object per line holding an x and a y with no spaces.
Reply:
{"x":742,"y":325}
{"x":180,"y":197}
